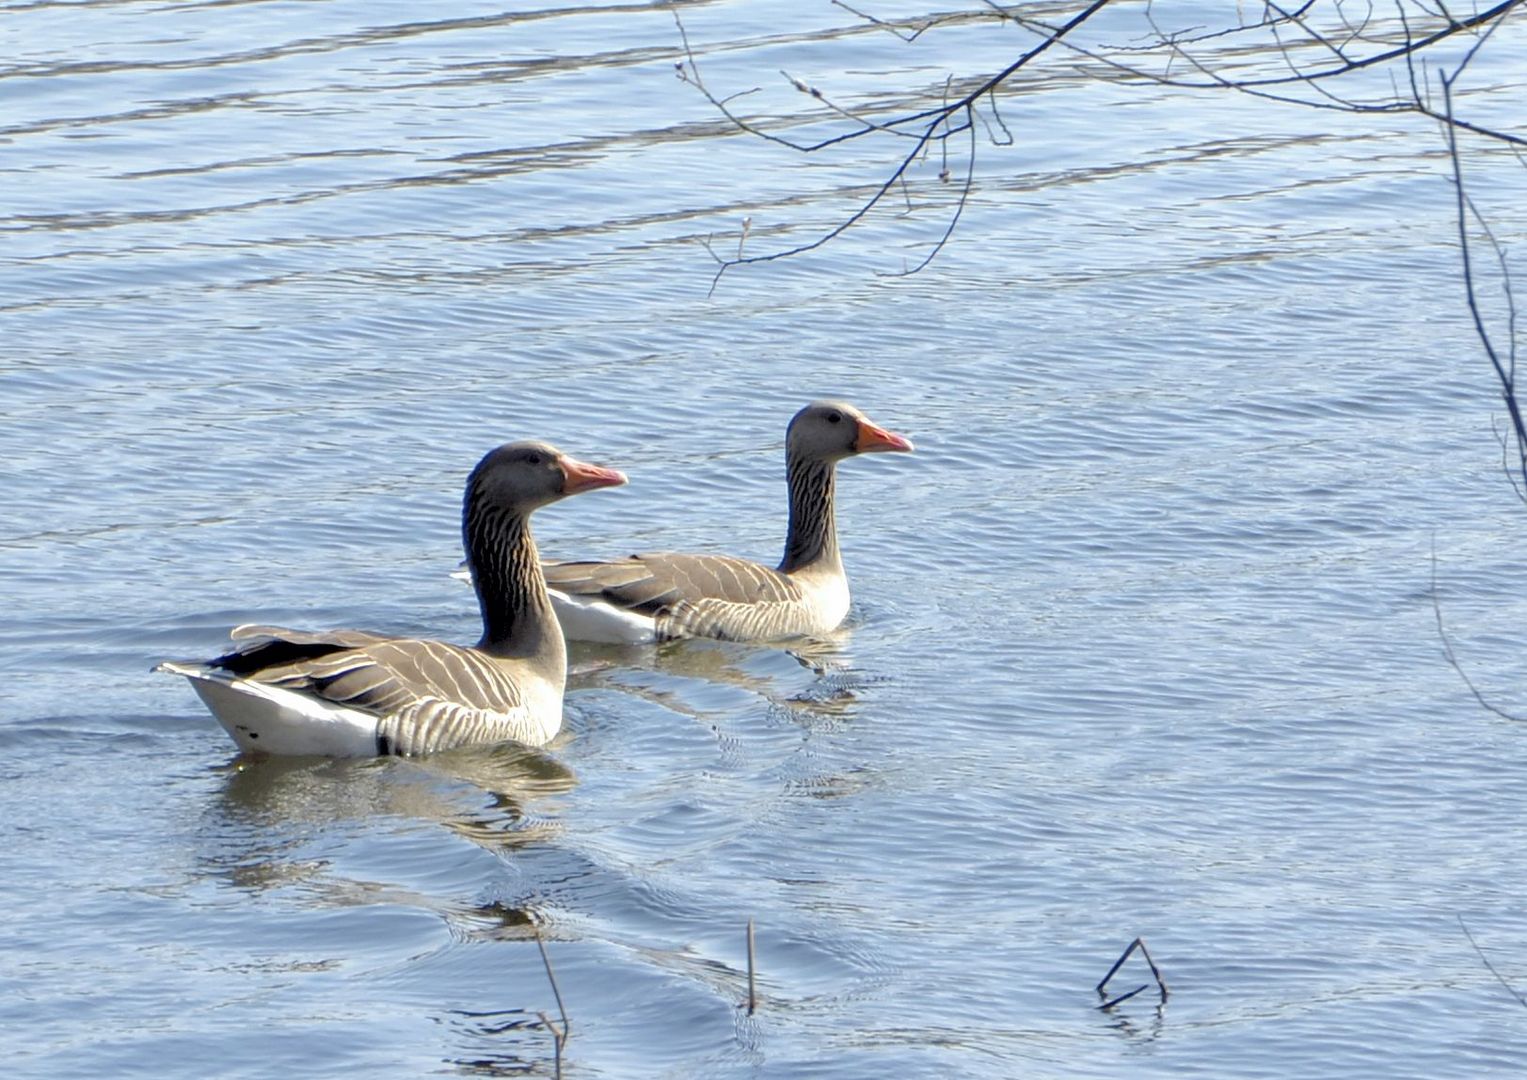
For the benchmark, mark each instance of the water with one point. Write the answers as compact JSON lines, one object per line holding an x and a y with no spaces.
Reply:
{"x":1143,"y":640}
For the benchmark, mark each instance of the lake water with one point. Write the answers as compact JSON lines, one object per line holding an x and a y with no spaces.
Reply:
{"x":1143,"y":639}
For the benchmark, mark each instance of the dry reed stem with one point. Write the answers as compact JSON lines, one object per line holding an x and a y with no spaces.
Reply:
{"x":555,"y":990}
{"x":752,"y":968}
{"x":1102,"y":987}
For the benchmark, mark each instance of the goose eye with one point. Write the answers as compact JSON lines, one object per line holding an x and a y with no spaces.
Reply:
{"x":834,"y":417}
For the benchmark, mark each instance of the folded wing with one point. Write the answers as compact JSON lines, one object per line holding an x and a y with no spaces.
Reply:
{"x":426,"y":695}
{"x":688,"y":595}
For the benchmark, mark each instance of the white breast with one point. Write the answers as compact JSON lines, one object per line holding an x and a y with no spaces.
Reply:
{"x":827,"y":599}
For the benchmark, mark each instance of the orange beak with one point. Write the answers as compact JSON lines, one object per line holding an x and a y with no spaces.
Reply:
{"x":578,"y":476}
{"x":872,"y":438}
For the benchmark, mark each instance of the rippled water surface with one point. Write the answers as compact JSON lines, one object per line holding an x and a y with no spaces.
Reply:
{"x":1143,"y":639}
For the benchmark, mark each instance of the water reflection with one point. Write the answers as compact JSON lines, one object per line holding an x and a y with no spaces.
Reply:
{"x":665,"y":675}
{"x":1134,"y":1030}
{"x":1131,"y":544}
{"x":504,"y":1042}
{"x":269,"y":810}
{"x":323,"y":790}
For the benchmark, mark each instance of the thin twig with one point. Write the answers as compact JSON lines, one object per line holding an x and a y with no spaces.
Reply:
{"x":806,"y":88}
{"x":1410,"y":45}
{"x":937,"y":127}
{"x":1264,"y":88}
{"x":894,"y":28}
{"x":959,"y":208}
{"x":1290,"y":27}
{"x":1505,"y":371}
{"x":1486,"y":960}
{"x":1505,"y":459}
{"x":1001,"y":135}
{"x":1452,"y":657}
{"x":752,"y":968}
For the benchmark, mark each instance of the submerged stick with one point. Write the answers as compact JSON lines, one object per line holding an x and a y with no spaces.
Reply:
{"x":556,"y":1043}
{"x":1102,"y":987}
{"x":1125,"y":997}
{"x":752,"y":984}
{"x":556,"y":992}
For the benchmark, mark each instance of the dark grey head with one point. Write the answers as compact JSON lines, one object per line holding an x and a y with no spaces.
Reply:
{"x":833,"y":430}
{"x":522,"y":476}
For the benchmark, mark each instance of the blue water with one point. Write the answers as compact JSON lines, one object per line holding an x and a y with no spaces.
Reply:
{"x":1144,"y":640}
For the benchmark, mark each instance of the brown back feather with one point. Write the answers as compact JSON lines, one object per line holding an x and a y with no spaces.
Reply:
{"x":658,"y":582}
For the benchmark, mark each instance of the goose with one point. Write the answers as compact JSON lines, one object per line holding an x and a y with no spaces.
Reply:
{"x":351,"y":693}
{"x":663,"y":596}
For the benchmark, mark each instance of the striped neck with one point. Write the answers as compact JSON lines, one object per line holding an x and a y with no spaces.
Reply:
{"x":517,"y":616}
{"x":812,"y":541}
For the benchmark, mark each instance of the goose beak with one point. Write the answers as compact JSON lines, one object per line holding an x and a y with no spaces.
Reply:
{"x":578,"y":476}
{"x":872,"y":438}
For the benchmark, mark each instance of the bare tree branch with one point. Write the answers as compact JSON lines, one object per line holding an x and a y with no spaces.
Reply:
{"x":938,"y":125}
{"x":959,"y":209}
{"x":1505,"y":369}
{"x":896,"y":27}
{"x":1503,"y":361}
{"x":1452,"y":657}
{"x":1351,"y":39}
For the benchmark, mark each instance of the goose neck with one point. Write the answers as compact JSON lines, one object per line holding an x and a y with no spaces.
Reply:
{"x":812,"y":539}
{"x":517,"y":616}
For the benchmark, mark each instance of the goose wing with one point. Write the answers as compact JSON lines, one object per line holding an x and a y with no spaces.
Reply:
{"x":661,"y":581}
{"x":426,"y":695}
{"x":714,"y":596}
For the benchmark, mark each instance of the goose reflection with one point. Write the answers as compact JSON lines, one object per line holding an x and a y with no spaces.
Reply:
{"x":286,"y":824}
{"x":500,"y":798}
{"x":811,"y":679}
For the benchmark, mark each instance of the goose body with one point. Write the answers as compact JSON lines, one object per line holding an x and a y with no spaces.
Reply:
{"x":665,"y":595}
{"x":351,"y":693}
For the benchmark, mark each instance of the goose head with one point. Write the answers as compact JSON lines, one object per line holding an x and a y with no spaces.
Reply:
{"x":830,"y":431}
{"x":519,"y":477}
